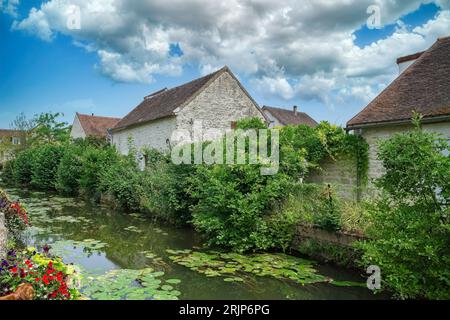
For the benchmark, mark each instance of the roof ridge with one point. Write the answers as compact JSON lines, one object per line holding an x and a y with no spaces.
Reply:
{"x":95,"y":116}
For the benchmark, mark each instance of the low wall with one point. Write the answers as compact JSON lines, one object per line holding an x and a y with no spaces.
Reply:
{"x":336,"y":247}
{"x":340,"y":173}
{"x":3,"y":236}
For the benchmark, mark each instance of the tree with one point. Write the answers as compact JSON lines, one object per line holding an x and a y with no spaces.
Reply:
{"x":410,"y":223}
{"x":47,"y":129}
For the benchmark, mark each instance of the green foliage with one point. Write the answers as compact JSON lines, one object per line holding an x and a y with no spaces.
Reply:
{"x":251,"y":123}
{"x":410,"y":224}
{"x":122,"y":180}
{"x":46,"y":160}
{"x":69,"y":170}
{"x":23,"y":167}
{"x":94,"y":162}
{"x":8,"y":172}
{"x":232,"y":203}
{"x":165,"y":188}
{"x":47,"y":129}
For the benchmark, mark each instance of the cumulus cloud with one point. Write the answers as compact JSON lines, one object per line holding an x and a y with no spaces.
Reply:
{"x":287,"y":48}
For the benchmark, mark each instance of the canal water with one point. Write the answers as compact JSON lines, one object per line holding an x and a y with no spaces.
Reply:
{"x":99,"y":240}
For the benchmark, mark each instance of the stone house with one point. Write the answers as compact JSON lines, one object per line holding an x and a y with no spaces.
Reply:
{"x":9,"y":140}
{"x":217,"y":100}
{"x":281,"y":117}
{"x":422,"y":86}
{"x":92,"y":126}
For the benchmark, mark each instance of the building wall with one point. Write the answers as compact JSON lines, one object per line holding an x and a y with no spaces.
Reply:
{"x":151,"y":135}
{"x":340,"y":173}
{"x":77,"y":130}
{"x":374,"y":135}
{"x":274,"y":122}
{"x":217,"y":106}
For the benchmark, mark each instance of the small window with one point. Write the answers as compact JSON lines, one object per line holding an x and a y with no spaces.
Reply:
{"x":15,"y":141}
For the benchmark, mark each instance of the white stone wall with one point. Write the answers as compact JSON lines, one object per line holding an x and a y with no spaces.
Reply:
{"x":151,"y":135}
{"x":77,"y":130}
{"x":374,"y":135}
{"x":341,"y":174}
{"x":221,"y":103}
{"x":218,"y":105}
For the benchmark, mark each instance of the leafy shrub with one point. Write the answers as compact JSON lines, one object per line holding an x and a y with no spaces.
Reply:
{"x":45,"y":165}
{"x":69,"y":170}
{"x":23,"y":167}
{"x":122,"y":180}
{"x":8,"y":172}
{"x":232,"y":204}
{"x":94,"y":162}
{"x":410,"y":227}
{"x":165,"y":188}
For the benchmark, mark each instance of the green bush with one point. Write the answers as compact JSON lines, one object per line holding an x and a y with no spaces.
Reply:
{"x":94,"y":162}
{"x":69,"y":170}
{"x":164,"y":188}
{"x":410,"y":226}
{"x":45,"y":166}
{"x":8,"y":172}
{"x":23,"y":167}
{"x":122,"y":180}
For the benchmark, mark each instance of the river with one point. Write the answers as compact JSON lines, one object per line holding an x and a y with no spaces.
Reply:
{"x":99,"y":240}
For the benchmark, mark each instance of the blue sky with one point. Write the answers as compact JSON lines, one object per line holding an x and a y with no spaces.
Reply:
{"x":332,"y":78}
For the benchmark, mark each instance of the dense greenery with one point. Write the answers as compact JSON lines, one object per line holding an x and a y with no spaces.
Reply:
{"x":410,"y":224}
{"x":232,"y":205}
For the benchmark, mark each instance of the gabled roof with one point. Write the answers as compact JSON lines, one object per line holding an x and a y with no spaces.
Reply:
{"x":424,"y":87}
{"x":96,"y":126}
{"x":163,"y":103}
{"x":289,"y":117}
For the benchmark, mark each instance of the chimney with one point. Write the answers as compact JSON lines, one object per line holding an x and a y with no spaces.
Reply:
{"x":405,"y":62}
{"x":295,"y":110}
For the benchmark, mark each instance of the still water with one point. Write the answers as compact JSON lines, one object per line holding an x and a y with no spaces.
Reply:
{"x":99,"y":240}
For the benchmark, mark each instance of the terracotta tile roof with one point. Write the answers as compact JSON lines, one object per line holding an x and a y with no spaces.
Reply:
{"x":288,"y":117}
{"x":10,"y":133}
{"x":424,"y":87}
{"x":96,"y":126}
{"x":163,"y":103}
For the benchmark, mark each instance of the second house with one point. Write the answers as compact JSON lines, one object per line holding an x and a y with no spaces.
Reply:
{"x":217,"y":100}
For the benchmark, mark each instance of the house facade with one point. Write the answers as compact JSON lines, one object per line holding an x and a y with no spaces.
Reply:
{"x":423,"y":86}
{"x":215,"y":101}
{"x":9,"y":141}
{"x":91,"y":126}
{"x":282,"y":117}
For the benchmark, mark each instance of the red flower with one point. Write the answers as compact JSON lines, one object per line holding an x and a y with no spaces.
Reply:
{"x":37,"y":279}
{"x":45,"y":280}
{"x":14,"y":270}
{"x":50,"y":264}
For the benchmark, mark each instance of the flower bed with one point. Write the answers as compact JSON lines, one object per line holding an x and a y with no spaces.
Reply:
{"x":15,"y":214}
{"x":50,"y":277}
{"x":27,"y":274}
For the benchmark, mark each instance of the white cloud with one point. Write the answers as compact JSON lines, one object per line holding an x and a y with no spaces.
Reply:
{"x":9,"y":7}
{"x":288,"y":48}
